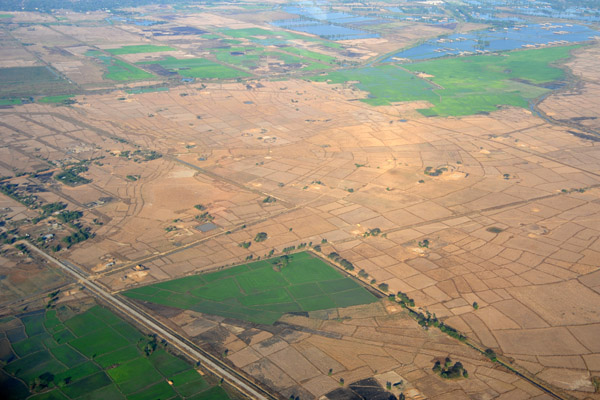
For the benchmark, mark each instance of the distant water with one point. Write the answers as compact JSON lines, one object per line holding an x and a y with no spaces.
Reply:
{"x":330,"y":25}
{"x":501,"y":39}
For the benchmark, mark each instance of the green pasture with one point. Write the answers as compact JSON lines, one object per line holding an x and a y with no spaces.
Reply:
{"x":67,"y":354}
{"x":56,"y":99}
{"x":460,"y":85}
{"x":9,"y":102}
{"x":260,"y":292}
{"x":142,"y":48}
{"x":198,"y":68}
{"x":14,"y":75}
{"x":247,"y":33}
{"x":118,"y":70}
{"x":385,"y":83}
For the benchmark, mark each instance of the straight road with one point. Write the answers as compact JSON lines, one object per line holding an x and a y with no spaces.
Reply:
{"x":220,"y":369}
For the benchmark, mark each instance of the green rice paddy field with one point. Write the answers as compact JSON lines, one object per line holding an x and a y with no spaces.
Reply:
{"x":198,"y":68}
{"x":64,"y":354}
{"x":118,"y":70}
{"x":56,"y":99}
{"x":142,"y":48}
{"x":260,"y":292}
{"x":461,"y":85}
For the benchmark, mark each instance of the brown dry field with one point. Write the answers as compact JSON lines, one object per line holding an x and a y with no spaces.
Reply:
{"x":337,"y":168}
{"x":378,"y":340}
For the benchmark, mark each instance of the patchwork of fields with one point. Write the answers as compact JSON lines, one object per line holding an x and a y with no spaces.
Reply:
{"x":260,"y":292}
{"x":61,"y":354}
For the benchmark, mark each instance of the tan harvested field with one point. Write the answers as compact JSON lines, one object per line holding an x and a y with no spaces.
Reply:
{"x":180,"y":177}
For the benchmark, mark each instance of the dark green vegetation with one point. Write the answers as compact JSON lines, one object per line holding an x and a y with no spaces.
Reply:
{"x":63,"y":354}
{"x":449,"y":371}
{"x":143,"y":48}
{"x":260,"y":292}
{"x":29,"y":81}
{"x":70,"y":176}
{"x":461,"y":85}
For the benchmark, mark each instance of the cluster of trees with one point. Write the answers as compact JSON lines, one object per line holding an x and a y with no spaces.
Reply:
{"x":342,"y":261}
{"x":68,"y":216}
{"x":405,"y":300}
{"x":372,"y":232}
{"x":80,"y":235}
{"x":70,"y":176}
{"x":260,"y":237}
{"x":140,"y":155}
{"x":431,"y":172}
{"x":282,"y":262}
{"x":427,"y":320}
{"x":449,"y":371}
{"x":49,"y":209}
{"x":28,"y":200}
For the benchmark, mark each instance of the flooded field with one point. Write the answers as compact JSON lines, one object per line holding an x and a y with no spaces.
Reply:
{"x":326,"y":24}
{"x":493,"y":40}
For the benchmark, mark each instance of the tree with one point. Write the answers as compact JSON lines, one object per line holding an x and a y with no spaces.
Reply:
{"x":260,"y":237}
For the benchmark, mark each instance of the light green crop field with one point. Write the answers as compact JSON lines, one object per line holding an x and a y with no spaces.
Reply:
{"x":310,"y":54}
{"x":121,"y":71}
{"x":260,"y":292}
{"x":466,"y":85}
{"x":65,"y":354}
{"x":198,"y":68}
{"x":142,"y":48}
{"x":118,"y":70}
{"x":481,"y":83}
{"x":385,"y":83}
{"x":55,"y":99}
{"x":9,"y":102}
{"x":248,"y":32}
{"x":254,"y":34}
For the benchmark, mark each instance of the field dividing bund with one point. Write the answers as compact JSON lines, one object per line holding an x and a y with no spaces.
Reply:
{"x":66,"y":353}
{"x":262,"y":291}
